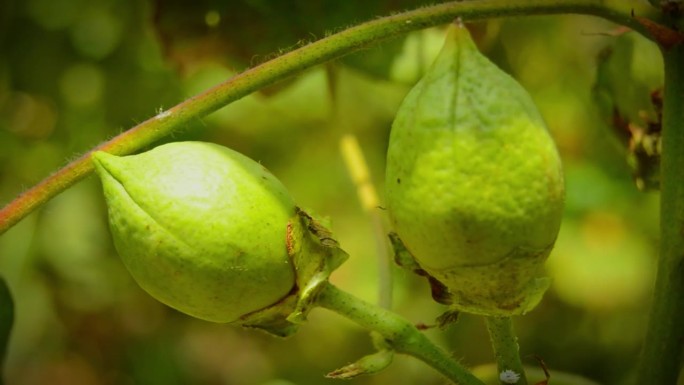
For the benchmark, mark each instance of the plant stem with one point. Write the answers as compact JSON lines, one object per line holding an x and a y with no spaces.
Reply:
{"x":505,"y":345}
{"x":294,"y":62}
{"x":399,"y":333}
{"x":663,"y":348}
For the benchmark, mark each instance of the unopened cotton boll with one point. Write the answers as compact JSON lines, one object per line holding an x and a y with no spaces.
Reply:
{"x":201,"y":228}
{"x":474,"y":184}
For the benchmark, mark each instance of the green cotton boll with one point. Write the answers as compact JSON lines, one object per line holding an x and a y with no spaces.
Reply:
{"x":200,"y":227}
{"x":474,"y":185}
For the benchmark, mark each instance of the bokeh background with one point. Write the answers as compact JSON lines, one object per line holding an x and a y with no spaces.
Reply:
{"x":76,"y":72}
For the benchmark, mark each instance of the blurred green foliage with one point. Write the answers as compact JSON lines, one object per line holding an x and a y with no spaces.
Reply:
{"x":75,"y":72}
{"x":6,"y":322}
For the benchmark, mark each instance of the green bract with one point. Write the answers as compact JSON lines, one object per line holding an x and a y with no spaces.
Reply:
{"x":474,"y":184}
{"x":209,"y":232}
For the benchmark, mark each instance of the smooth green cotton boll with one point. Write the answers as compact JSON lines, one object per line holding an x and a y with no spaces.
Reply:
{"x":200,"y":227}
{"x":474,"y":185}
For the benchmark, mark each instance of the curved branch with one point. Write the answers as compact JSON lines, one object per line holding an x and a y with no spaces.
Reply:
{"x":294,"y":62}
{"x":398,"y":333}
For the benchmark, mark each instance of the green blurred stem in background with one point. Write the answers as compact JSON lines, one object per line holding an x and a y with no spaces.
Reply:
{"x":664,"y":344}
{"x":400,"y":334}
{"x":295,"y":62}
{"x":359,"y":172}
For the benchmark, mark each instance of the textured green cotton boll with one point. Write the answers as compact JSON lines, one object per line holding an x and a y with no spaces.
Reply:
{"x":474,"y":185}
{"x":201,"y":228}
